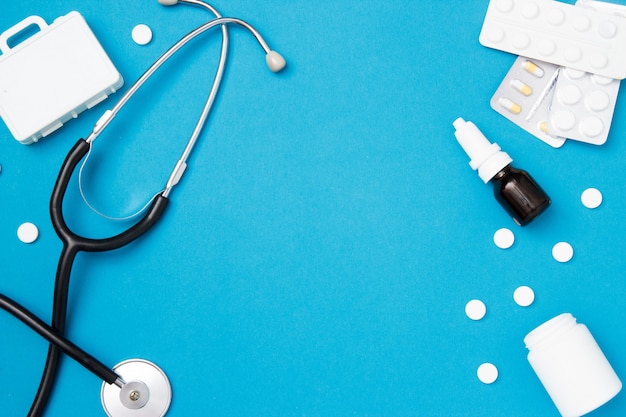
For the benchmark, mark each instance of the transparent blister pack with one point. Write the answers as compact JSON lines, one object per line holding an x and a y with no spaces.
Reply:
{"x":525,"y":95}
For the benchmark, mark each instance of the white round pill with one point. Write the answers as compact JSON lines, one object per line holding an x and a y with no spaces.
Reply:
{"x":503,"y":238}
{"x":592,"y":126}
{"x":475,"y":309}
{"x":572,"y":54}
{"x":487,"y":373}
{"x":591,"y":198}
{"x":598,"y":60}
{"x":570,"y":94}
{"x":495,"y":34}
{"x":142,"y":34}
{"x":607,"y":29}
{"x":581,"y":23}
{"x":601,"y":80}
{"x":524,"y":296}
{"x":27,"y":232}
{"x":555,"y":17}
{"x":521,"y":41}
{"x":563,"y":120}
{"x":574,"y":74}
{"x":504,"y":6}
{"x":597,"y":100}
{"x":530,"y":10}
{"x":562,"y":252}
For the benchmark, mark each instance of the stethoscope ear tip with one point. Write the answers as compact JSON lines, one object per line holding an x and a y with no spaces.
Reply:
{"x":275,"y":61}
{"x":146,"y":392}
{"x":167,"y":2}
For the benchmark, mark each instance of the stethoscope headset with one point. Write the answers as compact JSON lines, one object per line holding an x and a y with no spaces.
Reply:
{"x":134,"y":387}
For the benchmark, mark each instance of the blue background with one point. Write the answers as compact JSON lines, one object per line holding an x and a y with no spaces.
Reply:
{"x":318,"y":254}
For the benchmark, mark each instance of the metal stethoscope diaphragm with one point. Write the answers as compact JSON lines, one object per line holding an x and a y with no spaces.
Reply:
{"x":146,"y":388}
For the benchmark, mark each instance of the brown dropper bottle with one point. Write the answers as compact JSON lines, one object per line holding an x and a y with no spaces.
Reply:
{"x":514,"y":189}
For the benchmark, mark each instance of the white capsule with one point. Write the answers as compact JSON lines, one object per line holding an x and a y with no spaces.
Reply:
{"x":522,"y":87}
{"x":510,"y":105}
{"x":533,"y":68}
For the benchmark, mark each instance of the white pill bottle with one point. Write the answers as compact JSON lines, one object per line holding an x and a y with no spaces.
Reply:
{"x":571,"y":366}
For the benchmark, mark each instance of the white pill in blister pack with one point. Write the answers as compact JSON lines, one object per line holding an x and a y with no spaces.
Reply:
{"x":560,"y":33}
{"x":601,"y":6}
{"x":582,"y":106}
{"x":524,"y":97}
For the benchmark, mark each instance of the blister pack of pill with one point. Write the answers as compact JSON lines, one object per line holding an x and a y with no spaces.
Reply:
{"x":525,"y":95}
{"x":582,"y":107}
{"x":559,"y":33}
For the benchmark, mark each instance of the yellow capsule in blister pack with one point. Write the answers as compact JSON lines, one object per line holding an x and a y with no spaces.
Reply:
{"x":533,"y":68}
{"x":522,"y":87}
{"x":510,"y":105}
{"x":525,"y":95}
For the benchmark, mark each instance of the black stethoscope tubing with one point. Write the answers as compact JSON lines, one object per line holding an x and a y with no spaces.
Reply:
{"x":72,"y":245}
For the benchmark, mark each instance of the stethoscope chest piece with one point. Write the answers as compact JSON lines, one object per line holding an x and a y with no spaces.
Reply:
{"x":146,"y":392}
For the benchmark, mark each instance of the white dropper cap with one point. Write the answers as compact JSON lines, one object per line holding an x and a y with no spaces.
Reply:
{"x":486,"y":157}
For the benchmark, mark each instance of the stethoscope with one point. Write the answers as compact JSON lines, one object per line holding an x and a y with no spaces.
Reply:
{"x":134,"y":387}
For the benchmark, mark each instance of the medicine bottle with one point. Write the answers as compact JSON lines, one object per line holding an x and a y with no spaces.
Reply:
{"x":571,"y":366}
{"x":513,"y":188}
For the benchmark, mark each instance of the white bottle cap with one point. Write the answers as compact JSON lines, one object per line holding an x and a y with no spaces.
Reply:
{"x":486,"y":157}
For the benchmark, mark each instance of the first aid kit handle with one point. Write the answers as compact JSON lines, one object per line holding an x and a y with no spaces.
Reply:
{"x":9,"y":33}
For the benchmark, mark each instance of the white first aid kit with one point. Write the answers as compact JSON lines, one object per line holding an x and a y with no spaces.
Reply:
{"x":52,"y":76}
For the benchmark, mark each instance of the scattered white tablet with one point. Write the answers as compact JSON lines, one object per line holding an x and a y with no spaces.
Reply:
{"x":524,"y":296}
{"x":487,"y":373}
{"x":475,"y":309}
{"x":591,"y":198}
{"x":503,"y":238}
{"x":142,"y":34}
{"x":27,"y":232}
{"x":562,"y":252}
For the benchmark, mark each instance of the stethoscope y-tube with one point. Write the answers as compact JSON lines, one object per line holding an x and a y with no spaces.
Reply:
{"x":133,"y":395}
{"x":74,"y":243}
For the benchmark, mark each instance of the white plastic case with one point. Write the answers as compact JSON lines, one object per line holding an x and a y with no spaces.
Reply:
{"x":52,"y":76}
